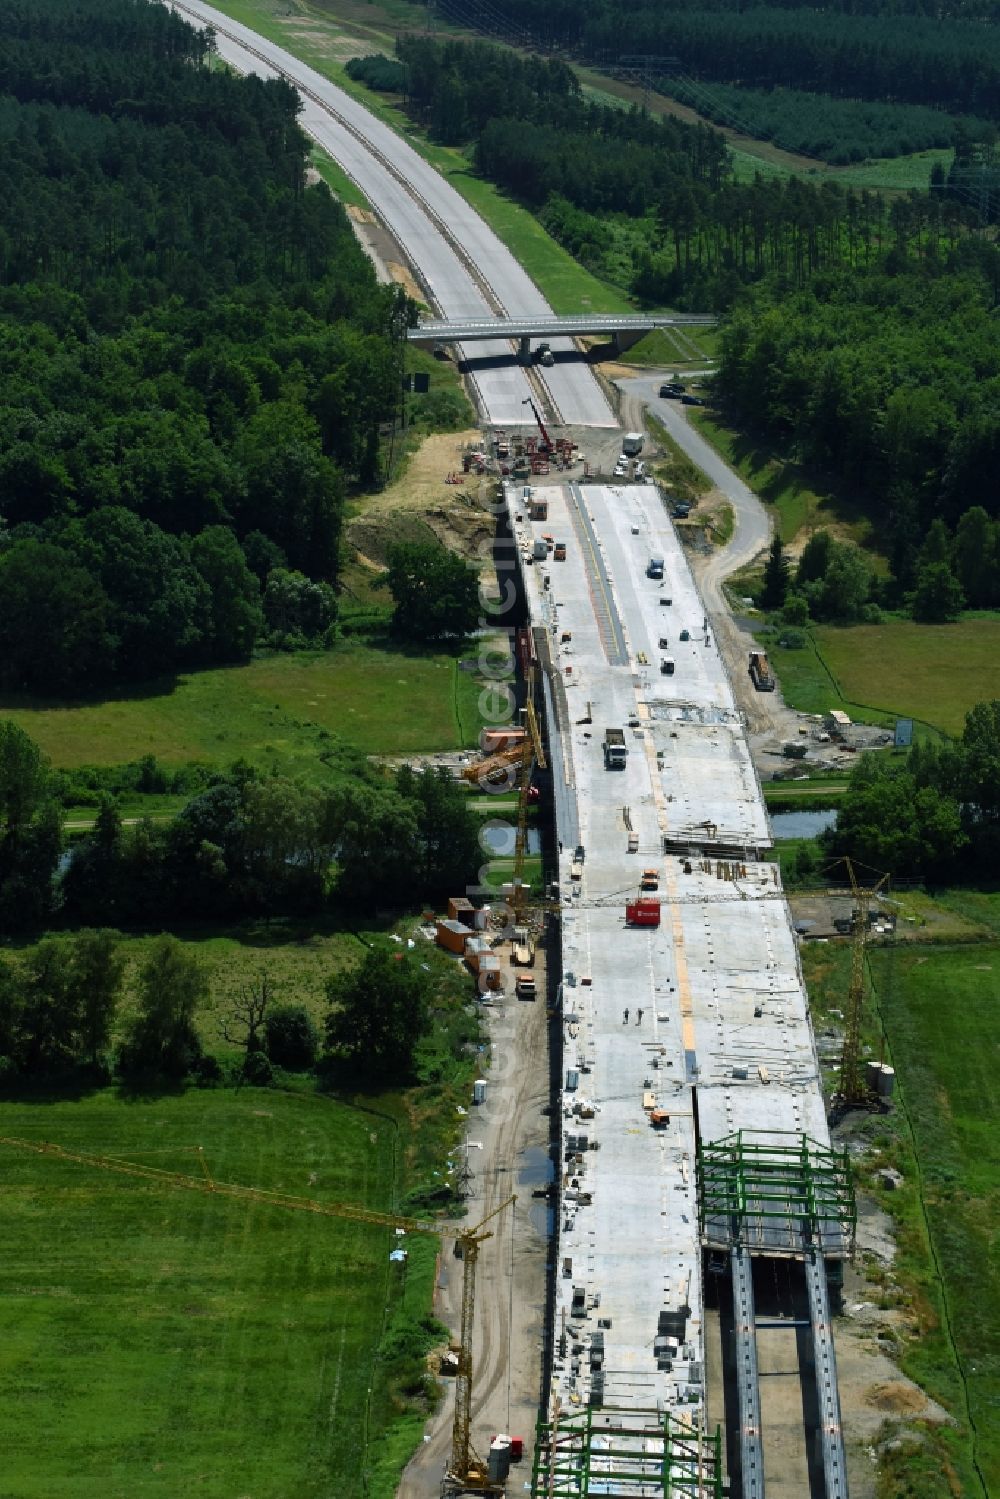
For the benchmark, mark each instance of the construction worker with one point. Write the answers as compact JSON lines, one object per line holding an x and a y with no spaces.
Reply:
{"x":638,"y":1018}
{"x":625,"y":1018}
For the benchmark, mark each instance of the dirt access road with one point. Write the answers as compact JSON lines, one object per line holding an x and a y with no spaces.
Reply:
{"x":508,"y":1153}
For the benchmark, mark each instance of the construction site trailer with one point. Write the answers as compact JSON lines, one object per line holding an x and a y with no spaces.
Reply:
{"x":452,"y":936}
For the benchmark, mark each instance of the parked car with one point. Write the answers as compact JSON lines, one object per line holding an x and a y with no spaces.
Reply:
{"x":672,"y":391}
{"x":692,"y":401}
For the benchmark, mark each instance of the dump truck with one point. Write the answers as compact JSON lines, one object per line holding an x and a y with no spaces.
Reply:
{"x":760,"y":672}
{"x":615,"y":749}
{"x":559,"y":554}
{"x":524,"y":987}
{"x":650,"y":880}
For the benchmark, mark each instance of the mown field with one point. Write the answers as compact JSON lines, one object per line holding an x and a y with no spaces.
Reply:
{"x":941,"y":1008}
{"x":280,"y":712}
{"x":161,"y":1341}
{"x":939,"y":1004}
{"x":933,"y":673}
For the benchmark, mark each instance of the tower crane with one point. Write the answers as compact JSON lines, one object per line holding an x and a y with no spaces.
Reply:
{"x":499,"y":769}
{"x":854,"y":1091}
{"x":465,"y":1471}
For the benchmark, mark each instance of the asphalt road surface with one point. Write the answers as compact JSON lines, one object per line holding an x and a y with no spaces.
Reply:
{"x":769,"y":720}
{"x":752,"y":530}
{"x":478,"y":278}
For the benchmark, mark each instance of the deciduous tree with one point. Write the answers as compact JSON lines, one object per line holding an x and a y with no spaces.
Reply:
{"x":435,"y":593}
{"x":173,"y":986}
{"x":378,"y":1013}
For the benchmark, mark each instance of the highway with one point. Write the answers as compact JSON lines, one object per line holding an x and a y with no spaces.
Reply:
{"x":701,"y":1016}
{"x":690,"y":1112}
{"x":468,"y":272}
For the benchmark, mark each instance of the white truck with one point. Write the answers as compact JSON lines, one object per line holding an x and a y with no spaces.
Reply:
{"x":632,"y":444}
{"x":615,"y":749}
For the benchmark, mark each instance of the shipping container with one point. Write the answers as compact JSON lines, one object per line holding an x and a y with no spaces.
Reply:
{"x":642,"y":913}
{"x":452,"y":936}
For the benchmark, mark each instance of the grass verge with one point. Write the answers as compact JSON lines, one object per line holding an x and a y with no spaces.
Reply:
{"x":803,"y":500}
{"x":672,"y":348}
{"x":337,"y":179}
{"x":676,"y":472}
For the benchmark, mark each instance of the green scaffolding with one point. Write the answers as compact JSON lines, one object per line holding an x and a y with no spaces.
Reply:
{"x":615,"y":1450}
{"x":776,"y":1197}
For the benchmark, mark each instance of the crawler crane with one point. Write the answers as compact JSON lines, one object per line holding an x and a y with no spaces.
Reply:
{"x":547,"y":445}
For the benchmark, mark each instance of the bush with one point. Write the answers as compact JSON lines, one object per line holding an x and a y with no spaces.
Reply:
{"x":207,"y":1073}
{"x":796,"y":610}
{"x":292,"y":1038}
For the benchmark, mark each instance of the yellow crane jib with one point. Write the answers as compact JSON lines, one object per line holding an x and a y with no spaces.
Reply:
{"x":466,"y":1469}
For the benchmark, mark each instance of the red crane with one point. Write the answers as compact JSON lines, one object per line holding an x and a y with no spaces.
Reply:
{"x":547,"y":444}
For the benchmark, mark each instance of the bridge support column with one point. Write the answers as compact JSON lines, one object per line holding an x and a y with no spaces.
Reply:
{"x":624,"y":338}
{"x":747,"y":1379}
{"x":831,"y":1431}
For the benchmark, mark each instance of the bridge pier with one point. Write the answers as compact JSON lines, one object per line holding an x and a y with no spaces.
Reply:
{"x":624,"y":338}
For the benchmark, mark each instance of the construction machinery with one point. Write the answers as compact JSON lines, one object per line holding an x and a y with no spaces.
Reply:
{"x":854,"y":1091}
{"x":760,"y":671}
{"x":516,"y":763}
{"x":466,"y":1472}
{"x":547,"y":445}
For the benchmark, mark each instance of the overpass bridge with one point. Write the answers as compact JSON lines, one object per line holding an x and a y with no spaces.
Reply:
{"x":624,"y":330}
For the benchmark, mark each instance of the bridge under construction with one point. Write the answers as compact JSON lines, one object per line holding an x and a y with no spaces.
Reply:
{"x":695,"y":1156}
